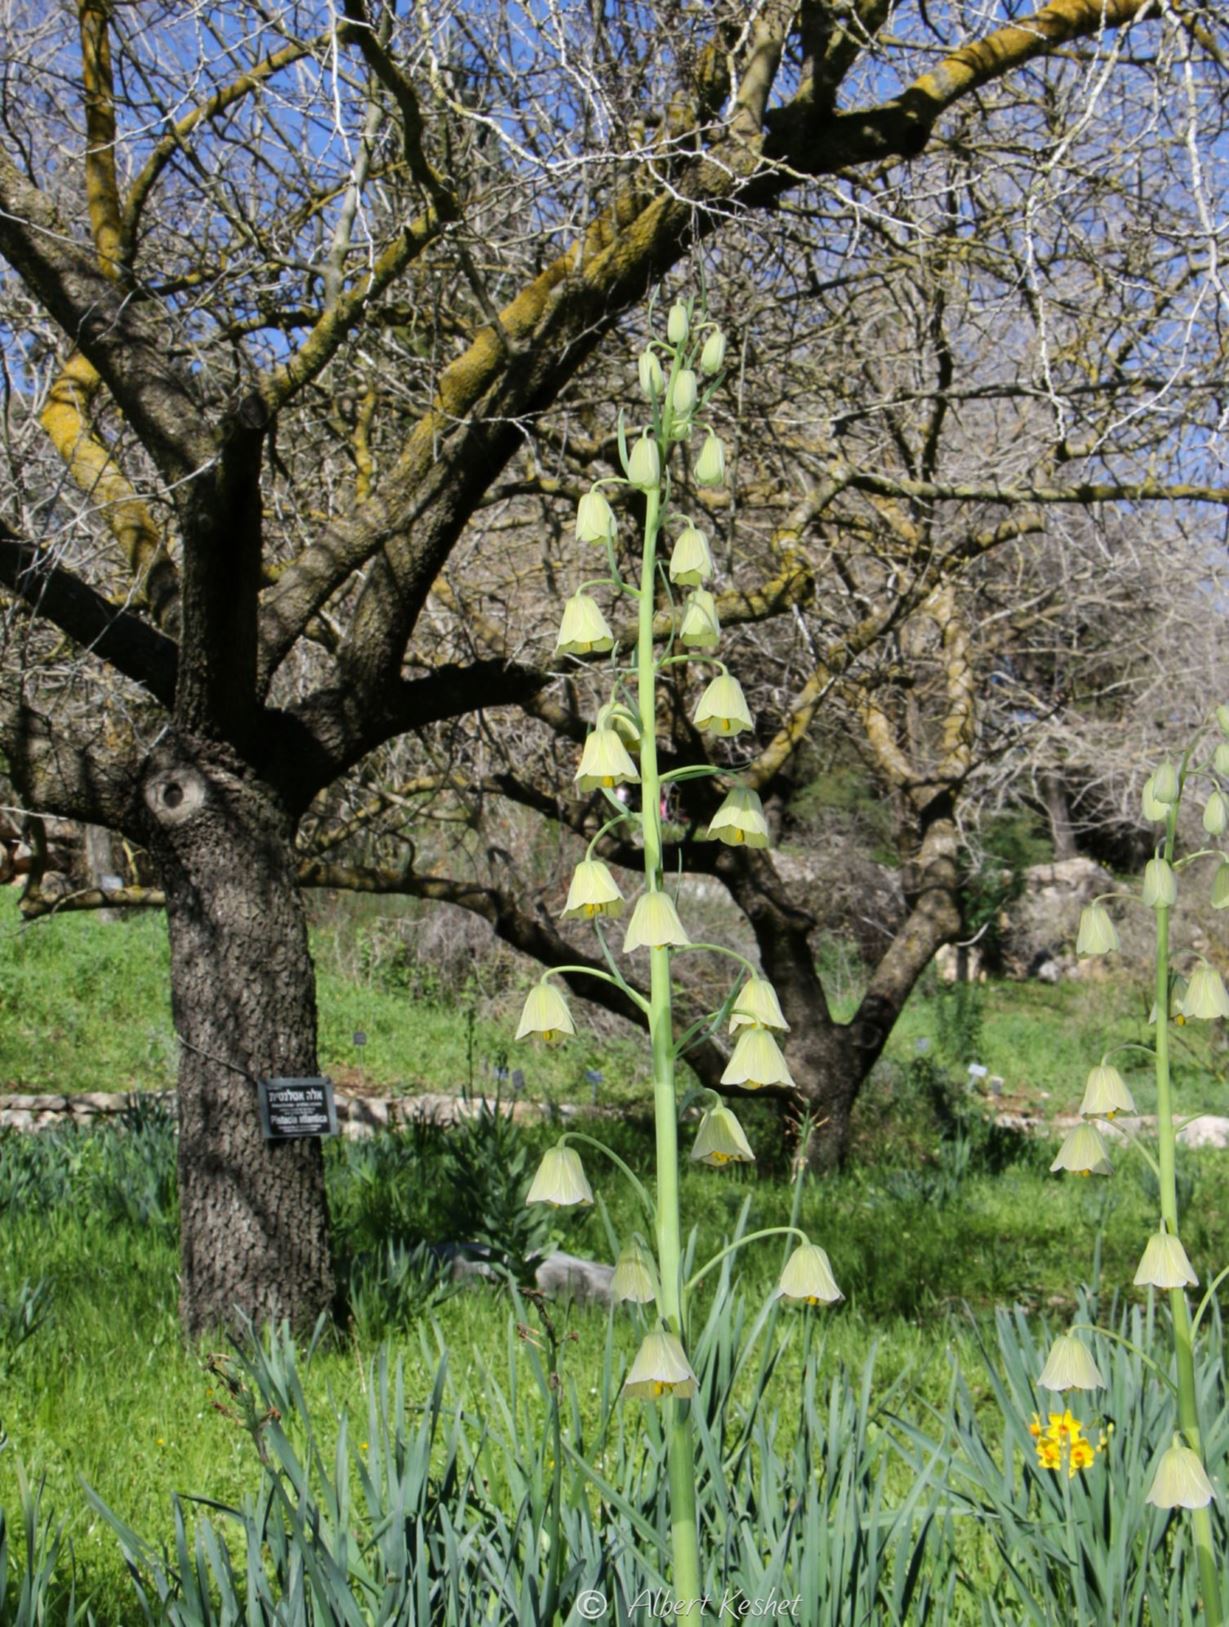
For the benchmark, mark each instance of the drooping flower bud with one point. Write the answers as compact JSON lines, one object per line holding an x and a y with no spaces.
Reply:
{"x":1153,"y":809}
{"x":1222,"y":718}
{"x":1205,"y":997}
{"x":1069,"y":1366}
{"x":1216,"y":815}
{"x":807,"y":1277}
{"x":720,"y":1140}
{"x":654,"y":924}
{"x":605,"y":762}
{"x":1084,"y":1153}
{"x":1220,"y":887}
{"x":644,"y":464}
{"x":691,"y":563}
{"x":583,"y":630}
{"x":740,"y":821}
{"x":652,"y":379}
{"x":678,"y":323}
{"x":710,"y":465}
{"x":757,"y":1061}
{"x":1220,"y":758}
{"x":722,"y":708}
{"x":699,"y":628}
{"x":560,"y":1179}
{"x":683,"y":394}
{"x":1105,"y":1094}
{"x":1165,"y":783}
{"x":1160,"y":884}
{"x":1164,"y":1264}
{"x":756,"y":1006}
{"x":712,"y":359}
{"x":660,"y":1369}
{"x":1097,"y":935}
{"x":545,"y":1014}
{"x":633,"y":1276}
{"x":593,"y":891}
{"x":595,"y":521}
{"x":1181,"y":1481}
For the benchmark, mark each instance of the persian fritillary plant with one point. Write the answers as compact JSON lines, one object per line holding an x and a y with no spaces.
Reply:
{"x":679,"y":376}
{"x":1179,"y":1479}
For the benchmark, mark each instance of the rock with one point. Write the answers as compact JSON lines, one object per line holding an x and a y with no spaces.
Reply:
{"x":1039,"y":927}
{"x":566,"y":1276}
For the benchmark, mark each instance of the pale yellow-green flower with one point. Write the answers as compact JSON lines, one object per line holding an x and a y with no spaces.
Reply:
{"x":1177,"y":994}
{"x":660,"y":1369}
{"x":678,"y":323}
{"x":1220,"y":758}
{"x":1220,"y":887}
{"x":1160,"y":885}
{"x":691,"y":563}
{"x":583,"y":629}
{"x":699,"y":628}
{"x":633,"y":1276}
{"x":1154,"y":810}
{"x":757,"y":1006}
{"x":1165,"y":783}
{"x":1084,"y":1153}
{"x":644,"y":464}
{"x":757,"y":1061}
{"x":1222,"y":718}
{"x":1106,"y":1093}
{"x":712,"y":358}
{"x":683,"y":394}
{"x":720,"y":1140}
{"x":545,"y":1013}
{"x":1098,"y":935}
{"x":654,"y":924}
{"x":605,"y":762}
{"x":807,"y":1277}
{"x":652,"y":380}
{"x":1070,"y":1367}
{"x":1181,"y":1480}
{"x":595,"y":521}
{"x":722,"y":708}
{"x":740,"y":820}
{"x":1216,"y":815}
{"x":1205,"y":996}
{"x":593,"y":891}
{"x":1164,"y":1264}
{"x":710,"y":465}
{"x":560,"y":1180}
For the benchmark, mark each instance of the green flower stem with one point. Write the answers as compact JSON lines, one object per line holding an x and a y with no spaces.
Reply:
{"x":619,"y":819}
{"x":605,"y":977}
{"x":1188,"y":1412}
{"x":684,"y":1536}
{"x":1108,"y":1333}
{"x":740,"y":1242}
{"x":589,"y":1141}
{"x":720,"y":949}
{"x":1207,"y":1298}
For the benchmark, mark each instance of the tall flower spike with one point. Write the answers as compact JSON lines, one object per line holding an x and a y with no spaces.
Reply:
{"x":583,"y":629}
{"x":605,"y":762}
{"x":757,"y":1061}
{"x":654,"y":924}
{"x":1084,"y":1153}
{"x":593,"y":891}
{"x":633,"y":1276}
{"x":1098,"y":935}
{"x":699,"y":629}
{"x":545,"y":1014}
{"x":1160,"y":885}
{"x":722,"y":708}
{"x":691,"y":563}
{"x":595,"y":521}
{"x":710,"y":465}
{"x":1205,"y":996}
{"x":757,"y":1006}
{"x":807,"y":1277}
{"x":1070,"y":1367}
{"x":1181,"y":1481}
{"x":720,"y":1140}
{"x":660,"y":1369}
{"x":1164,"y":1264}
{"x":560,"y":1180}
{"x":1105,"y":1094}
{"x":739,"y":821}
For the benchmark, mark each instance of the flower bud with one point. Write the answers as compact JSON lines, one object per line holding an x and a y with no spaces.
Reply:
{"x":1105,"y":1094}
{"x":1220,"y":758}
{"x":1177,"y":995}
{"x":594,"y":891}
{"x":633,"y":1276}
{"x":1164,"y":1264}
{"x":583,"y":629}
{"x":1181,"y":1480}
{"x":1070,"y":1367}
{"x":1220,"y":886}
{"x":1165,"y":783}
{"x":683,"y":393}
{"x":699,"y":628}
{"x":1216,"y":815}
{"x":1154,"y":810}
{"x":1084,"y":1153}
{"x":644,"y":465}
{"x":807,"y":1277}
{"x":691,"y":563}
{"x":1222,"y":718}
{"x":757,"y":1006}
{"x":660,"y":1369}
{"x":654,"y":924}
{"x":605,"y":762}
{"x":757,"y":1061}
{"x":595,"y":521}
{"x":652,"y":379}
{"x":740,"y":820}
{"x":1097,"y":935}
{"x":710,"y":465}
{"x":560,"y":1180}
{"x":720,"y":1140}
{"x":678,"y":323}
{"x":722,"y":708}
{"x":1205,"y":997}
{"x":712,"y":360}
{"x":546,"y":1014}
{"x":1160,"y":885}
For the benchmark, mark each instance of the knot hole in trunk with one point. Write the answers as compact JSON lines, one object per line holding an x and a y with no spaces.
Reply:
{"x":173,"y":795}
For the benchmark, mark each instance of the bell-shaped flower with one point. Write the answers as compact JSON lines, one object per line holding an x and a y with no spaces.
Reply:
{"x":807,"y":1277}
{"x":1164,"y":1264}
{"x":683,"y":393}
{"x":560,"y":1180}
{"x":1165,"y":784}
{"x":545,"y":1013}
{"x":1105,"y":1093}
{"x":710,"y":465}
{"x":1177,"y":995}
{"x":1222,"y":719}
{"x":699,"y":628}
{"x":1153,"y":809}
{"x":660,"y":1369}
{"x":756,"y":1006}
{"x":720,"y":1140}
{"x":1084,"y":1153}
{"x":1220,"y":887}
{"x":1160,"y":885}
{"x":691,"y":563}
{"x":593,"y":891}
{"x":583,"y":630}
{"x":644,"y":464}
{"x":1181,"y":1481}
{"x":740,"y":820}
{"x":1097,"y":935}
{"x":678,"y":323}
{"x":595,"y":521}
{"x":654,"y":924}
{"x":722,"y":708}
{"x":1205,"y":996}
{"x":633,"y":1276}
{"x":1216,"y":815}
{"x":1070,"y":1367}
{"x":652,"y":380}
{"x":1220,"y":758}
{"x":605,"y":762}
{"x":757,"y":1061}
{"x":712,"y":359}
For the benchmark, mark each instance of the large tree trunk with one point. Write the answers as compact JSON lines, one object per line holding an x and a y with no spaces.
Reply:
{"x":254,"y":1218}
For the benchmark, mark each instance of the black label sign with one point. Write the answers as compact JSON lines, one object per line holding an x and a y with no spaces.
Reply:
{"x":297,"y":1107}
